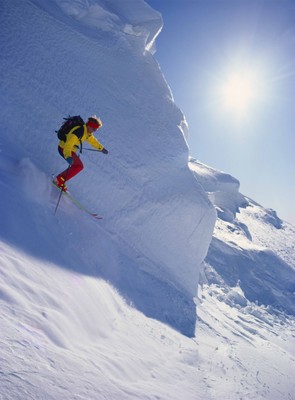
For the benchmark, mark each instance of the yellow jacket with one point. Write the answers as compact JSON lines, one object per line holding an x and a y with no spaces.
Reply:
{"x":72,"y":143}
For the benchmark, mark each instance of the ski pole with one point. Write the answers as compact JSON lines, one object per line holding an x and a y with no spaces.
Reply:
{"x":93,"y":150}
{"x":61,"y":189}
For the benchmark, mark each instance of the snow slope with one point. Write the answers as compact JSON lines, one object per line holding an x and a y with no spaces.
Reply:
{"x":106,"y":309}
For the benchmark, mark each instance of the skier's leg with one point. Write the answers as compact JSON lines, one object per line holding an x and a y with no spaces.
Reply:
{"x":74,"y":169}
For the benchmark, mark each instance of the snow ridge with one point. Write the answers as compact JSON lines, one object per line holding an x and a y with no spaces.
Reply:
{"x":251,"y":246}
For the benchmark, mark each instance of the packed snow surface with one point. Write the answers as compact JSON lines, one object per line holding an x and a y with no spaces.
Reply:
{"x":107,"y":309}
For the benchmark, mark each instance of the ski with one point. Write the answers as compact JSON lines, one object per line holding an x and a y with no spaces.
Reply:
{"x":77,"y":203}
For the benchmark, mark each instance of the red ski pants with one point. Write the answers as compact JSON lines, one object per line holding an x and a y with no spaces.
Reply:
{"x":74,"y":169}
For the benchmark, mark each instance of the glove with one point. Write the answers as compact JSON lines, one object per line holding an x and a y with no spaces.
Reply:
{"x":69,"y":160}
{"x":104,"y":151}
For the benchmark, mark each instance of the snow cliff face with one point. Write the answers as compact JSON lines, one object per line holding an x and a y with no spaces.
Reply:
{"x":86,"y":57}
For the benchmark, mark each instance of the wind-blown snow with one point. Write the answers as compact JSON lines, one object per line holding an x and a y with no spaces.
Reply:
{"x":106,"y":309}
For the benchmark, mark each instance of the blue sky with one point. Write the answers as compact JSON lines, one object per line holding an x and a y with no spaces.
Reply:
{"x":231,"y":68}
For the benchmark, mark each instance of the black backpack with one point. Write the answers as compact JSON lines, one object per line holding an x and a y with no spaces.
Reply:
{"x":69,"y":124}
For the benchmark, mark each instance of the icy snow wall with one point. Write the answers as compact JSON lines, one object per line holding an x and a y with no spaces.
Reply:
{"x":95,"y":57}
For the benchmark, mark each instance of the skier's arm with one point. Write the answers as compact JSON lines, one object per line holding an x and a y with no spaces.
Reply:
{"x":94,"y":142}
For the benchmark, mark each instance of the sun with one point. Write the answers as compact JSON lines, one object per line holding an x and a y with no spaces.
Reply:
{"x":238,"y":92}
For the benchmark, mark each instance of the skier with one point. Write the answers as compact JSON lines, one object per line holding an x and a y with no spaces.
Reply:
{"x":67,"y":149}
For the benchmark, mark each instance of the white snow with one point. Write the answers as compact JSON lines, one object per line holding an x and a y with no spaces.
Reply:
{"x":107,"y":309}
